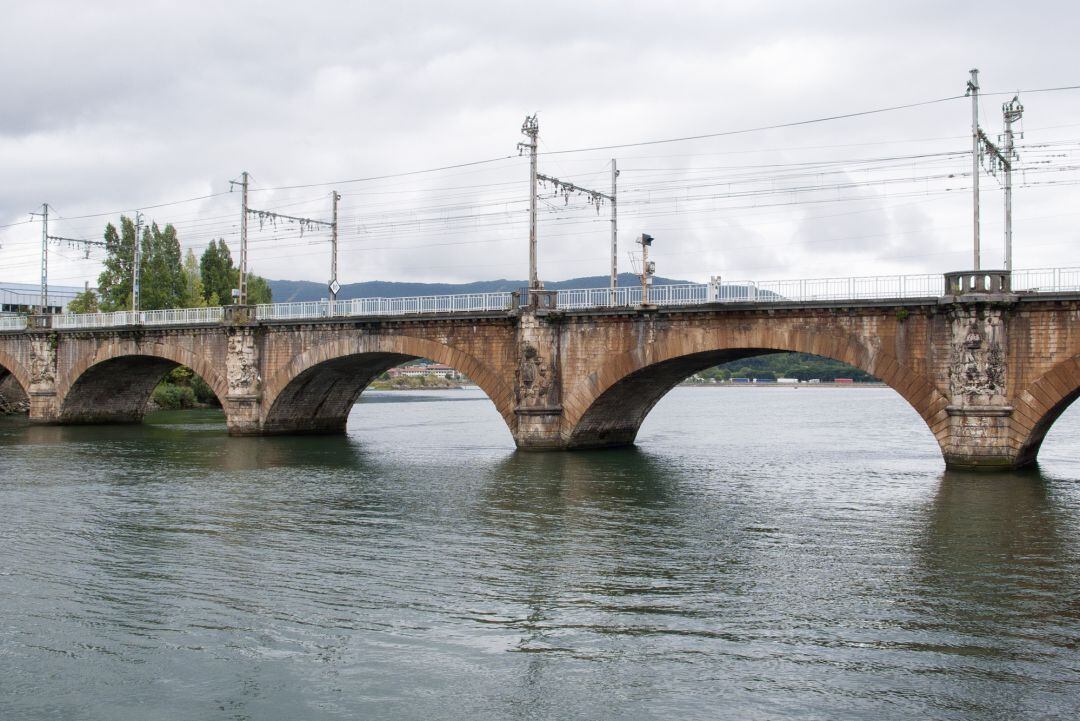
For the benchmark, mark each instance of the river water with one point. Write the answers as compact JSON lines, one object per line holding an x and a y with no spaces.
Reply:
{"x":762,"y":554}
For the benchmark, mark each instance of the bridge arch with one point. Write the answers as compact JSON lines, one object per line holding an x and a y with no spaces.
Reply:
{"x":607,"y":408}
{"x":114,"y":385}
{"x":316,"y":389}
{"x":11,"y":365}
{"x":1036,"y":407}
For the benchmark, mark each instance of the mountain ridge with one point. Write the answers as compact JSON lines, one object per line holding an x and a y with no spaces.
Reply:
{"x":287,"y":291}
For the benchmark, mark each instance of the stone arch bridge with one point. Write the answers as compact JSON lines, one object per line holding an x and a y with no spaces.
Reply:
{"x":988,"y":370}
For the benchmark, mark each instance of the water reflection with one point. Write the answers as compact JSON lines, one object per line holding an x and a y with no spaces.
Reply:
{"x":709,"y":573}
{"x":995,"y":596}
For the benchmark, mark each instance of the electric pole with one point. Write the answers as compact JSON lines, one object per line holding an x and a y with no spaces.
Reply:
{"x":334,"y":285}
{"x":1012,"y":111}
{"x":136,"y":271}
{"x":44,"y":257}
{"x":531,"y":129}
{"x":242,"y":300}
{"x":614,"y":229}
{"x":973,"y":91}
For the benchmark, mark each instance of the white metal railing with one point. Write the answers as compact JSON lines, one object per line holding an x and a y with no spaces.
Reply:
{"x":1038,"y":280}
{"x":416,"y":305}
{"x":12,"y":322}
{"x":768,"y":291}
{"x":1046,"y":280}
{"x":172,"y":316}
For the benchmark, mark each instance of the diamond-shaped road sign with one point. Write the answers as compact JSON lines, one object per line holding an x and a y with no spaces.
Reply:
{"x":335,"y":286}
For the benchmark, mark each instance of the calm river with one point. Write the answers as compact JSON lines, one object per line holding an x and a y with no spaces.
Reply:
{"x":763,"y":554}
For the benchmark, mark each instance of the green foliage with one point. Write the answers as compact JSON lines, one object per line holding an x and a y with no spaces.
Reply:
{"x":203,"y":393}
{"x":114,"y":282}
{"x":85,"y":302}
{"x":162,"y":283}
{"x":173,"y":397}
{"x":803,"y":366}
{"x":181,"y":388}
{"x":219,"y":277}
{"x":258,"y":290}
{"x":161,"y":278}
{"x":194,"y":293}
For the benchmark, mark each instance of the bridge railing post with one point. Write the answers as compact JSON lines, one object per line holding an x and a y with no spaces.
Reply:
{"x":40,"y":321}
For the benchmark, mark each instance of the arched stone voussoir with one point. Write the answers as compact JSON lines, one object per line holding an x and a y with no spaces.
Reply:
{"x":607,"y":407}
{"x":314,"y":390}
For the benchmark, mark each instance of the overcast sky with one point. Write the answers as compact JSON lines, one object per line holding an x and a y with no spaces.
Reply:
{"x":112,"y":106}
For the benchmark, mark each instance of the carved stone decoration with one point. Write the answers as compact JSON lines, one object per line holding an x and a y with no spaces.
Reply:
{"x":533,"y":377}
{"x":241,"y":365}
{"x":42,"y":363}
{"x":977,"y":368}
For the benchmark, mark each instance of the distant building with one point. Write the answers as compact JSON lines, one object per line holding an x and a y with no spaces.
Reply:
{"x":420,"y":371}
{"x":26,"y":297}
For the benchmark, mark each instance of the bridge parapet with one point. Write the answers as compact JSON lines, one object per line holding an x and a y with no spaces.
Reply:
{"x":967,"y":282}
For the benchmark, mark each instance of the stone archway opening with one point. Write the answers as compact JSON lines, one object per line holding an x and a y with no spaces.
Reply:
{"x":13,"y":397}
{"x":616,"y":415}
{"x":122,"y":390}
{"x":320,"y":398}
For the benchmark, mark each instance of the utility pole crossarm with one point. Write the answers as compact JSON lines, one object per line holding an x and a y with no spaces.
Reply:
{"x":571,"y":188}
{"x":263,"y":214}
{"x":1001,"y":157}
{"x":75,"y":242}
{"x":80,"y":241}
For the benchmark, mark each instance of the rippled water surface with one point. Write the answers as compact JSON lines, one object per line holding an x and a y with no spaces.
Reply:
{"x":762,"y":554}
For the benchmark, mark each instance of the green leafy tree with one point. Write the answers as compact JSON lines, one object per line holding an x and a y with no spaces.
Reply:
{"x":258,"y":290}
{"x":114,"y":282}
{"x":194,"y":293}
{"x":162,"y":283}
{"x":85,"y":302}
{"x":219,"y":277}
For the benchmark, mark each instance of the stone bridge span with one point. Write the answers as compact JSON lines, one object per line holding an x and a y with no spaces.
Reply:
{"x":988,"y":372}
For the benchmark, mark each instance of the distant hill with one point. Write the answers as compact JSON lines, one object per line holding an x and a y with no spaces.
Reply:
{"x":286,"y":291}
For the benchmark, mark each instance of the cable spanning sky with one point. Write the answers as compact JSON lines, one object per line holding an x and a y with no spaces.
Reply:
{"x":753,"y":140}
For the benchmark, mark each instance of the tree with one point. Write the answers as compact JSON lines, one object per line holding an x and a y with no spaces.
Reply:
{"x":162,"y":283}
{"x":258,"y":290}
{"x":85,"y":302}
{"x":194,"y":293}
{"x":114,"y":283}
{"x":218,"y":275}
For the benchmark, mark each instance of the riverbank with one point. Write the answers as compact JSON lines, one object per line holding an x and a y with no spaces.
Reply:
{"x":402,"y":383}
{"x":823,"y":384}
